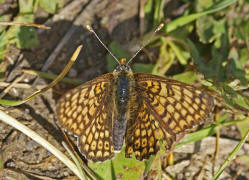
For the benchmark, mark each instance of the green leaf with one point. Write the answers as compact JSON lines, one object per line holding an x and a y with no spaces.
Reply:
{"x":236,"y":68}
{"x":234,"y":99}
{"x":242,"y":30}
{"x":204,"y":28}
{"x":203,"y":4}
{"x":4,"y":18}
{"x":27,"y":37}
{"x":196,"y":58}
{"x":154,"y":13}
{"x":26,"y":6}
{"x":127,"y":168}
{"x":149,"y":164}
{"x":247,"y":76}
{"x":23,"y":36}
{"x":241,"y":101}
{"x":243,"y":126}
{"x":2,"y":45}
{"x":1,"y":164}
{"x":165,"y":59}
{"x":181,"y":54}
{"x":158,"y":12}
{"x":51,"y":6}
{"x":244,"y":56}
{"x":186,"y":77}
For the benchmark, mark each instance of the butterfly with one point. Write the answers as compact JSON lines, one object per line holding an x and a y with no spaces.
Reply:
{"x":135,"y":109}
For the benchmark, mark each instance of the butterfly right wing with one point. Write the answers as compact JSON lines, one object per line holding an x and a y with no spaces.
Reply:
{"x":85,"y":112}
{"x":166,"y":108}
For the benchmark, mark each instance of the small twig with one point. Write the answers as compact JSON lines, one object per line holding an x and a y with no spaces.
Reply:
{"x":24,"y":172}
{"x":43,"y":163}
{"x":11,"y":85}
{"x":25,"y":24}
{"x":13,"y":73}
{"x":17,"y":85}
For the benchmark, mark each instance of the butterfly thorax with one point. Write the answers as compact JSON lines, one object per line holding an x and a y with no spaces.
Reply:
{"x":123,"y":91}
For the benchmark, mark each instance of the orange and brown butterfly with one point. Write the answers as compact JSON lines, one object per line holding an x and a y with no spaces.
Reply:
{"x":137,"y":109}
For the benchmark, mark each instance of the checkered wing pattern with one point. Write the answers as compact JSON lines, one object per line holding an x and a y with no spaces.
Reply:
{"x":85,"y":112}
{"x":166,"y":108}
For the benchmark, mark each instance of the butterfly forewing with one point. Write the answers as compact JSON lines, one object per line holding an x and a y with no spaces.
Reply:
{"x":85,"y":112}
{"x":166,"y":109}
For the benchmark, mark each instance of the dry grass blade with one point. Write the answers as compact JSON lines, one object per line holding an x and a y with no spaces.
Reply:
{"x":58,"y":78}
{"x":25,"y":24}
{"x":33,"y":135}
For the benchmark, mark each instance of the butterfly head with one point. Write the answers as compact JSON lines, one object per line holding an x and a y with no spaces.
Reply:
{"x":122,"y":67}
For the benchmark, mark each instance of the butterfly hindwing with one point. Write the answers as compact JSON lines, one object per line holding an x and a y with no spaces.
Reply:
{"x":143,"y":134}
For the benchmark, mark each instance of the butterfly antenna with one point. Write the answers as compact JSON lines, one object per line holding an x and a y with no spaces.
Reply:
{"x":147,"y":42}
{"x":91,"y":30}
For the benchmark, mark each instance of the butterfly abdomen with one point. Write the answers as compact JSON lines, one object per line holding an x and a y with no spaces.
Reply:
{"x":122,"y":106}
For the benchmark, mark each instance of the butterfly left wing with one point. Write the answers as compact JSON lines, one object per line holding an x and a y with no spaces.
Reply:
{"x":86,"y":112}
{"x":166,"y":108}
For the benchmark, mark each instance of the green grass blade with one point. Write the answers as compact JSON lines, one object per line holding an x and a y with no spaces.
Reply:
{"x":7,"y":102}
{"x":189,"y":18}
{"x":205,"y":132}
{"x":231,"y":156}
{"x":77,"y":163}
{"x":53,"y":76}
{"x":148,"y":165}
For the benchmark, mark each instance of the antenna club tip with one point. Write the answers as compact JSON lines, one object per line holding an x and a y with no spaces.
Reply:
{"x":159,"y":27}
{"x":89,"y":27}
